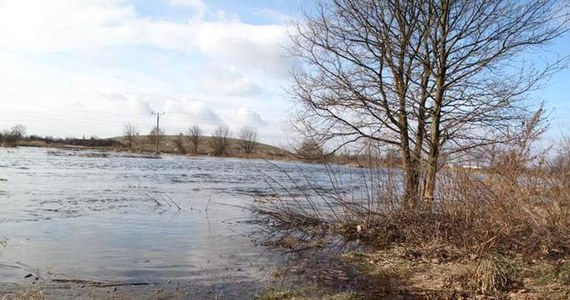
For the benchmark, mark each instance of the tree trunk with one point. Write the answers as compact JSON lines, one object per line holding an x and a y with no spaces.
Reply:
{"x":433,"y":156}
{"x":429,"y":188}
{"x":410,"y":167}
{"x":435,"y":130}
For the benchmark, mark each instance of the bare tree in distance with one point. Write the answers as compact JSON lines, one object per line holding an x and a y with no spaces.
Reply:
{"x":434,"y":78}
{"x":248,"y":139}
{"x":18,"y":131}
{"x":155,"y":136}
{"x":179,"y":143}
{"x":195,"y":138}
{"x":221,"y":140}
{"x":10,"y":137}
{"x":130,"y":132}
{"x":309,"y":148}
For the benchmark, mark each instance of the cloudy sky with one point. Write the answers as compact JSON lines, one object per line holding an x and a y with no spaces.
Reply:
{"x":88,"y":67}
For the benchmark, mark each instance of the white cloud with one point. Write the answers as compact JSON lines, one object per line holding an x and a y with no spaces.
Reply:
{"x":271,"y":14}
{"x":221,"y":80}
{"x":90,"y":66}
{"x":191,"y":112}
{"x":91,"y":25}
{"x":63,"y":25}
{"x":248,"y":46}
{"x":246,"y":117}
{"x":195,"y":4}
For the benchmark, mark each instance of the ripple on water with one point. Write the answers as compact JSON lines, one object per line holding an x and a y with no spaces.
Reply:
{"x":91,"y":217}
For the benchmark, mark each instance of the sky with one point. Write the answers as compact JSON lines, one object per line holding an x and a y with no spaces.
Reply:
{"x":74,"y":68}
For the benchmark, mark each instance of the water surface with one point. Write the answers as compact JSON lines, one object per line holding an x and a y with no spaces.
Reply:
{"x":113,"y":218}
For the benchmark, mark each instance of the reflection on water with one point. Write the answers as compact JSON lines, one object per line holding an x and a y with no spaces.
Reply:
{"x":93,"y":217}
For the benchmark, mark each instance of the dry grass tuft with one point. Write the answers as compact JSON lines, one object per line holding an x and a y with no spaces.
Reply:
{"x":25,"y":295}
{"x":493,"y":274}
{"x":303,"y":293}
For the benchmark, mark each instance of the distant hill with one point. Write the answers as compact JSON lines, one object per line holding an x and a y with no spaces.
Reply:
{"x":170,"y":144}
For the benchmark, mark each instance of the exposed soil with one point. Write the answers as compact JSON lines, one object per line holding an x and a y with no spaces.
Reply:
{"x":85,"y":289}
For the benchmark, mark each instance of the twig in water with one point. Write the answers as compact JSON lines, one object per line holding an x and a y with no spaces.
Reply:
{"x":165,"y":200}
{"x":208,"y":204}
{"x":160,"y":290}
{"x":153,"y":199}
{"x":172,"y":201}
{"x":99,"y":283}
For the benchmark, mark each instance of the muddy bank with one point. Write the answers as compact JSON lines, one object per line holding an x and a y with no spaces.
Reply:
{"x":231,"y":288}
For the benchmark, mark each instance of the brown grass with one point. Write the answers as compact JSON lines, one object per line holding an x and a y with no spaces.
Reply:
{"x":491,"y":227}
{"x":31,"y":294}
{"x":477,"y":214}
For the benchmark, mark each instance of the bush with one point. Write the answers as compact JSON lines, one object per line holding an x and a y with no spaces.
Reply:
{"x":477,"y":213}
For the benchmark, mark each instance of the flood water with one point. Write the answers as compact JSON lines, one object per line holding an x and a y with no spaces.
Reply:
{"x":111,"y":218}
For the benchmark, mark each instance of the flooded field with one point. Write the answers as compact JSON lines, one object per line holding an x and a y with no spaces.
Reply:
{"x":81,"y":217}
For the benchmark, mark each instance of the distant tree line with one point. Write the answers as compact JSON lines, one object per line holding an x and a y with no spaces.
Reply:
{"x":220,"y":143}
{"x":16,"y":135}
{"x":13,"y":135}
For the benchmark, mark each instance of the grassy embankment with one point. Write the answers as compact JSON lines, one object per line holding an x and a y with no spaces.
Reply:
{"x":171,"y":144}
{"x":168,"y":144}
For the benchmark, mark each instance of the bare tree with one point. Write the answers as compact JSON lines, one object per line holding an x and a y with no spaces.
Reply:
{"x":308,"y":148}
{"x":195,"y":138}
{"x":561,"y":160}
{"x":10,"y":137}
{"x":179,"y":143}
{"x":248,"y":139}
{"x":18,"y":131}
{"x":433,"y":77}
{"x":130,"y":132}
{"x":221,"y":140}
{"x":155,"y":137}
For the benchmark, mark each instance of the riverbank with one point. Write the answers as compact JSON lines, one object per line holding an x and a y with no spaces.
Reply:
{"x":176,"y":145}
{"x":491,"y":236}
{"x":167,"y":146}
{"x":401,"y":273}
{"x":85,"y":289}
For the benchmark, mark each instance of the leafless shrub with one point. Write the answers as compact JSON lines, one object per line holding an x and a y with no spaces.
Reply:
{"x":155,"y":136}
{"x":130,"y":132}
{"x":195,"y":139}
{"x":561,"y":161}
{"x":480,"y":212}
{"x":309,"y":149}
{"x":18,"y":131}
{"x":179,"y":144}
{"x":10,"y":137}
{"x":248,"y":139}
{"x":221,"y":140}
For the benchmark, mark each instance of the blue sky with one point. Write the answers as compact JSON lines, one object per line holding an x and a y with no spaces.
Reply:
{"x":555,"y":92}
{"x":88,"y":67}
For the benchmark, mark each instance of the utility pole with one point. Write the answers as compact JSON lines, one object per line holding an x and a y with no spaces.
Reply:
{"x":157,"y":132}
